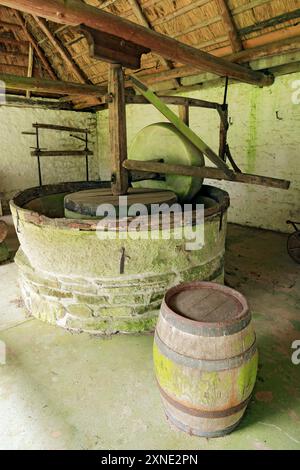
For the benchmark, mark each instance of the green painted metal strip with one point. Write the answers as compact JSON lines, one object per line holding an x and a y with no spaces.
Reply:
{"x":181,"y":126}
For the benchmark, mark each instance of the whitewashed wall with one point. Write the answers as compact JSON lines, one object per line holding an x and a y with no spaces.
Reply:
{"x":260,"y":142}
{"x":18,"y":170}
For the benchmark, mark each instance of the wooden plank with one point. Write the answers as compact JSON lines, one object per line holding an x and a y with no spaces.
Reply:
{"x":117,"y":129}
{"x":183,"y":128}
{"x":204,"y":172}
{"x":60,"y":128}
{"x":111,"y":49}
{"x":77,"y":12}
{"x":262,"y":50}
{"x":174,"y":100}
{"x":60,"y":153}
{"x":51,"y":86}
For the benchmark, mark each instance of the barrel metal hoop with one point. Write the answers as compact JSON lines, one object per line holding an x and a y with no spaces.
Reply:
{"x":199,"y":433}
{"x":207,"y":331}
{"x":203,"y":413}
{"x":205,"y":365}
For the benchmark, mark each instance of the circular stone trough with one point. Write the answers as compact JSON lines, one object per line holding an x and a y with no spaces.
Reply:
{"x":71,"y":278}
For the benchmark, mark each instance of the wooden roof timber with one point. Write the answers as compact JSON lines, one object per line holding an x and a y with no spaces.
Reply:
{"x":228,"y":21}
{"x":39,"y":52}
{"x":62,"y":51}
{"x":75,"y":12}
{"x":145,"y":22}
{"x":269,"y":48}
{"x":52,"y":86}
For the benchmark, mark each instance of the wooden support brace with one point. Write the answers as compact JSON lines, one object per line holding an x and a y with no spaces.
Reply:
{"x":204,"y":172}
{"x":117,"y":129}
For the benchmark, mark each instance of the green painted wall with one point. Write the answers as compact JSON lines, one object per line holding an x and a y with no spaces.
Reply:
{"x":260,"y":142}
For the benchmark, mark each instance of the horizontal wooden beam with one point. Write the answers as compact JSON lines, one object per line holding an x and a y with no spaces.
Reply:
{"x":75,"y":12}
{"x":271,"y":22}
{"x":13,"y":82}
{"x":204,"y":172}
{"x":19,"y":101}
{"x":278,"y":47}
{"x":61,"y":153}
{"x":174,"y":100}
{"x":54,"y":127}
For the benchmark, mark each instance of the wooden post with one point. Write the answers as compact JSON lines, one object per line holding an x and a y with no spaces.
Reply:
{"x":184,"y":114}
{"x":30,"y":67}
{"x":117,"y":129}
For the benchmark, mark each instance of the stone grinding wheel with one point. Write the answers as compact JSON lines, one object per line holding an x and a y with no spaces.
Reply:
{"x":84,"y":204}
{"x":162,"y":141}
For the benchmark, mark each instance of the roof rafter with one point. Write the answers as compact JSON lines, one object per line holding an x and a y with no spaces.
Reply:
{"x":141,"y":16}
{"x":228,"y":21}
{"x":35,"y":46}
{"x":62,"y":51}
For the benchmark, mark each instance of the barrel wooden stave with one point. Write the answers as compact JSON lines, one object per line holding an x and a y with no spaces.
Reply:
{"x":206,"y":381}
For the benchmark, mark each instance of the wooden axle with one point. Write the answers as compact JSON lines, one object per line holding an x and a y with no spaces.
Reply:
{"x":204,"y":172}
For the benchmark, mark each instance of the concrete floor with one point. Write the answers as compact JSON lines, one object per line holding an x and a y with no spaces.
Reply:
{"x":64,"y":391}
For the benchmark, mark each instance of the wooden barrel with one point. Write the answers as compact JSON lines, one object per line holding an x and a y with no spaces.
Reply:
{"x":205,"y":358}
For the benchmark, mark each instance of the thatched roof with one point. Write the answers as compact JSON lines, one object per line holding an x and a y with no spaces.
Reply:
{"x":199,"y":23}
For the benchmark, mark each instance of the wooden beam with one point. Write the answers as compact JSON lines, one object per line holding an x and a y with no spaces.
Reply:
{"x":60,"y":153}
{"x":204,"y":172}
{"x":61,"y":50}
{"x":271,"y":22}
{"x":75,"y":12}
{"x":108,"y":48}
{"x":228,"y":21}
{"x":145,"y":22}
{"x":51,"y":86}
{"x":10,"y":26}
{"x":40,"y":54}
{"x":181,"y":126}
{"x":278,"y":47}
{"x":20,"y":102}
{"x":117,"y":129}
{"x":174,"y":100}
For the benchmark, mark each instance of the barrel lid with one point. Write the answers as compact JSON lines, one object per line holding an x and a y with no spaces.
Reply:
{"x":206,"y":303}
